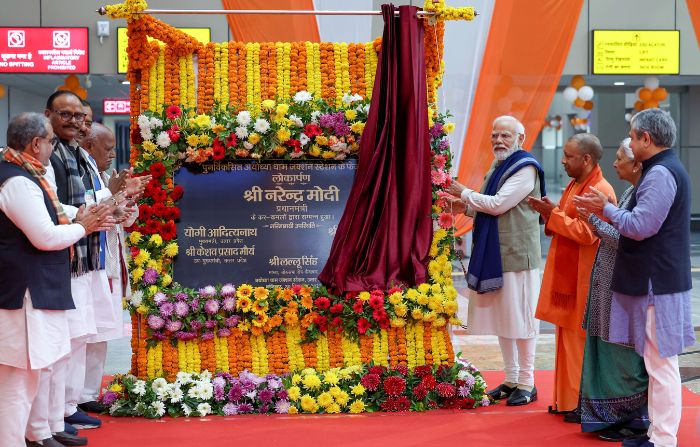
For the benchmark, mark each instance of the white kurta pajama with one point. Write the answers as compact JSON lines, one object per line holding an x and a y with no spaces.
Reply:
{"x":30,"y":339}
{"x":508,"y":312}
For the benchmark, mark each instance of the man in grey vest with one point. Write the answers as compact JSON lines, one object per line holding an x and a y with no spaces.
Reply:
{"x":504,"y":268}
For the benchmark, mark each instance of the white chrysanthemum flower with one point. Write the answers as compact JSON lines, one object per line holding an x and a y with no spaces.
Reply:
{"x":248,"y":145}
{"x":314,"y":116}
{"x":302,"y":96}
{"x":347,"y":99}
{"x":182,"y":378}
{"x":159,"y":407}
{"x":204,"y":409}
{"x":159,"y":383}
{"x":296,"y":121}
{"x":139,"y":388}
{"x":206,"y":375}
{"x":136,"y":298}
{"x":261,"y":125}
{"x":241,"y":132}
{"x":219,"y":381}
{"x":194,"y":392}
{"x":252,"y":394}
{"x":155,"y":122}
{"x":146,"y":133}
{"x":243,"y":118}
{"x":206,"y":390}
{"x":163,"y":140}
{"x":143,"y":122}
{"x":303,"y":139}
{"x":175,"y":394}
{"x":186,"y":410}
{"x":163,"y":393}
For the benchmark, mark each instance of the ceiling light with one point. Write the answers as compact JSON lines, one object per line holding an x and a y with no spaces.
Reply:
{"x":126,"y":82}
{"x":619,"y":83}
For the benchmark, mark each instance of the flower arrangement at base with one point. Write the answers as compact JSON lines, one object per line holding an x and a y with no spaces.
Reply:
{"x":353,"y":389}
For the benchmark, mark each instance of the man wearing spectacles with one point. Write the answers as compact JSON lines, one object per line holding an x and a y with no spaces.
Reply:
{"x":85,"y":124}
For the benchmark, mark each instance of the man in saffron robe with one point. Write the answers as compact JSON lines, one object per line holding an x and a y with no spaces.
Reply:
{"x":568,"y":269}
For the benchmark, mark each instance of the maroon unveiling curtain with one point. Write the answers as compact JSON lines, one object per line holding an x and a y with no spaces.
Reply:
{"x":384,"y":236}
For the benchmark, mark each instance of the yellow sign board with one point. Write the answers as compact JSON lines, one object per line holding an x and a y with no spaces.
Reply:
{"x":201,"y":34}
{"x":636,"y":52}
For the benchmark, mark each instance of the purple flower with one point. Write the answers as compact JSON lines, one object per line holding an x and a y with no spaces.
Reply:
{"x":444,"y":144}
{"x":228,"y":290}
{"x":485,"y":402}
{"x":284,"y":395}
{"x":150,"y":276}
{"x":327,"y":120}
{"x":232,"y":321}
{"x":181,"y":309}
{"x":229,"y":303}
{"x":224,"y":332}
{"x":274,"y":383}
{"x":196,"y":325}
{"x":184,"y":335}
{"x":194,"y":304}
{"x":219,"y":394}
{"x":436,"y":130}
{"x":208,"y":336}
{"x":464,"y":391}
{"x":264,"y":409}
{"x":158,"y":335}
{"x":159,"y":297}
{"x":245,"y":408}
{"x":167,"y":308}
{"x":207,"y":291}
{"x":235,"y":393}
{"x":210,"y":324}
{"x":282,"y":407}
{"x":469,"y":381}
{"x":266,"y":395}
{"x":230,"y":409}
{"x":211,"y":306}
{"x":181,"y":296}
{"x":155,"y":322}
{"x":109,"y":397}
{"x":342,"y":129}
{"x":173,"y":325}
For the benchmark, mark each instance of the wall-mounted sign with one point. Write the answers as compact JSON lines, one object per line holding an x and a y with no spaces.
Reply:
{"x":44,"y":50}
{"x":636,"y":51}
{"x":201,"y":34}
{"x":116,"y":106}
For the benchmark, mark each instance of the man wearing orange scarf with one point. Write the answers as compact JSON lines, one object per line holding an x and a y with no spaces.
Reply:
{"x":568,"y":269}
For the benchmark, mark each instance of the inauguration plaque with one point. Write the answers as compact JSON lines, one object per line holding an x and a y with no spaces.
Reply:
{"x":264,"y":223}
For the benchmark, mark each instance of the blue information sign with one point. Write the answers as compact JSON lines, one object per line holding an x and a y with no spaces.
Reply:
{"x":266,"y":223}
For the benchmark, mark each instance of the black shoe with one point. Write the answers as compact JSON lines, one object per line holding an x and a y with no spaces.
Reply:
{"x":502,"y":391}
{"x":66,"y":439}
{"x":573,"y":417}
{"x":93,"y":407}
{"x":49,"y":442}
{"x":522,"y":397}
{"x":636,"y":441}
{"x":617,"y":434}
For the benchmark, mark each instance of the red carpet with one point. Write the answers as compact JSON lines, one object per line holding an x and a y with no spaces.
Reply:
{"x":497,"y":425}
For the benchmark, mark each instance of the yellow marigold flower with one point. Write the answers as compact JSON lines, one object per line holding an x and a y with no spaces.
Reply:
{"x":296,"y":379}
{"x":396,"y":298}
{"x":435,"y":303}
{"x":364,"y":296}
{"x":149,"y":146}
{"x":283,"y":134}
{"x":412,"y":294}
{"x":244,"y":290}
{"x":350,"y":114}
{"x":117,"y":388}
{"x":141,"y":258}
{"x":158,"y":154}
{"x":450,"y":307}
{"x":358,"y":127}
{"x":268,"y":105}
{"x":218,"y":128}
{"x":430,"y":317}
{"x":253,"y":138}
{"x":193,"y":140}
{"x":331,"y":378}
{"x":294,"y":392}
{"x":433,"y":252}
{"x":342,"y":398}
{"x":315,"y":151}
{"x":137,"y":274}
{"x":439,"y":322}
{"x":152,"y":264}
{"x":450,"y":292}
{"x":152,"y":290}
{"x":166,"y":280}
{"x":335,"y":391}
{"x":282,"y":109}
{"x":325,"y":399}
{"x":455,"y":321}
{"x":203,"y":121}
{"x":439,"y":234}
{"x":401,"y":310}
{"x":308,"y":404}
{"x":423,"y":299}
{"x":307,"y":301}
{"x":171,"y":249}
{"x":436,"y":288}
{"x":243,"y":326}
{"x":328,"y":155}
{"x":156,"y":240}
{"x":142,"y":309}
{"x":261,"y":293}
{"x":417,"y":314}
{"x":311,"y":382}
{"x":293,"y":410}
{"x":135,"y":238}
{"x":333,"y":409}
{"x":322,"y":140}
{"x":449,"y":127}
{"x":424,"y":288}
{"x":307,"y":371}
{"x":204,"y":140}
{"x":357,"y":407}
{"x":147,"y":156}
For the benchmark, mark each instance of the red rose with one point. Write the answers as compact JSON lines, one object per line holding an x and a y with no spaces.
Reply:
{"x":362,"y":326}
{"x":231,"y":140}
{"x":173,"y":112}
{"x":322,"y":302}
{"x":336,"y":308}
{"x":176,"y":194}
{"x":157,"y":170}
{"x":358,"y":307}
{"x":394,"y":386}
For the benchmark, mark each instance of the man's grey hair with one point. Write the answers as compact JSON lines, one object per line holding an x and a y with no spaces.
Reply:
{"x":24,"y":127}
{"x":519,"y":128}
{"x":658,"y":124}
{"x":587,"y":143}
{"x":626,"y":148}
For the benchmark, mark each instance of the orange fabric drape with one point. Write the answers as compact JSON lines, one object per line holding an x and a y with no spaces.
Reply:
{"x":694,"y":11}
{"x":527,"y":47}
{"x":272,"y":28}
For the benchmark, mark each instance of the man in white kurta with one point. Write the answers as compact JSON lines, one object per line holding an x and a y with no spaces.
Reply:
{"x":507,"y":310}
